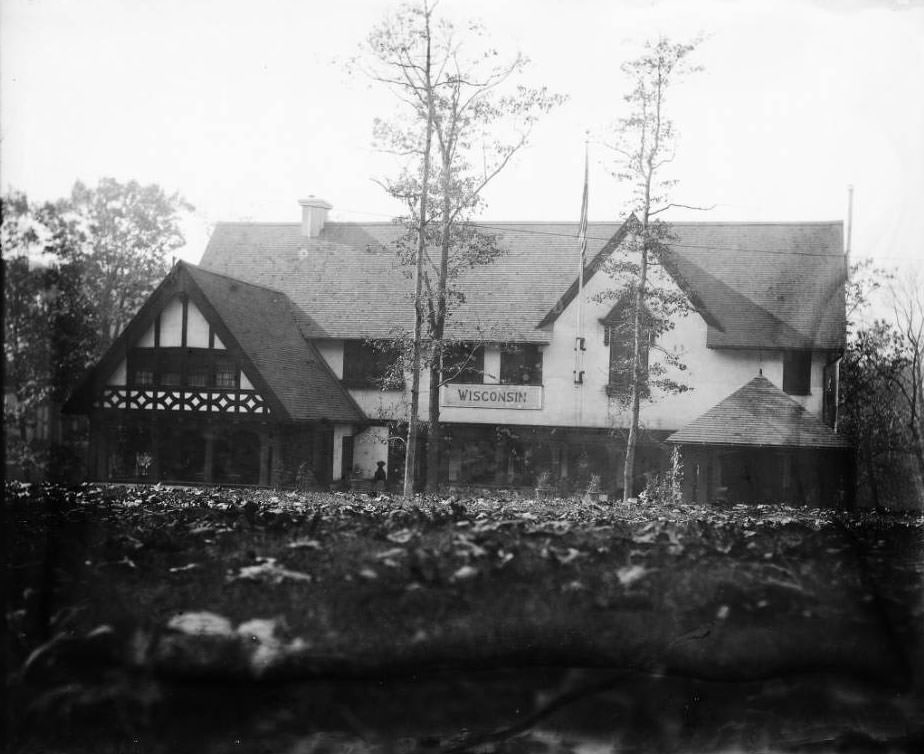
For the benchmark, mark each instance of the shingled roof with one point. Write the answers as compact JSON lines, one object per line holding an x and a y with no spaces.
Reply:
{"x":272,"y":333}
{"x":756,"y":284}
{"x":759,"y":415}
{"x":769,"y":285}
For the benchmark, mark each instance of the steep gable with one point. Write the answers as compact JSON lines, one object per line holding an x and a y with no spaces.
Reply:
{"x":262,"y":331}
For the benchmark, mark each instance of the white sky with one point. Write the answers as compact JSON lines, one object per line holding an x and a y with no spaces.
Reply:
{"x":243,"y":107}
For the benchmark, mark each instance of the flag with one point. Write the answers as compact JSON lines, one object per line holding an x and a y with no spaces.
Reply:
{"x":582,"y":231}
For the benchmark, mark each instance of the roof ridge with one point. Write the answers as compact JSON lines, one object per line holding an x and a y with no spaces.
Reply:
{"x":239,"y":281}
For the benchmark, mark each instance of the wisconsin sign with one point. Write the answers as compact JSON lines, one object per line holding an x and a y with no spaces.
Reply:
{"x":492,"y":396}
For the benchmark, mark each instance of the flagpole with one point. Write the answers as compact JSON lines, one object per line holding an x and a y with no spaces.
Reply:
{"x":579,"y":346}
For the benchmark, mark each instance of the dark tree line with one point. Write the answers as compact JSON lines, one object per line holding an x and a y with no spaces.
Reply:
{"x":882,"y":389}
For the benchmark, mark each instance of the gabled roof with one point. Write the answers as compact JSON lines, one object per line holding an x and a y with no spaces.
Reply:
{"x":271,"y":331}
{"x":759,"y":414}
{"x":261,"y":328}
{"x":769,"y":285}
{"x":757,"y":285}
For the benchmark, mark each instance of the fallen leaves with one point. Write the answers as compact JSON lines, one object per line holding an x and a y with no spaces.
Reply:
{"x":268,"y":570}
{"x":629,"y":575}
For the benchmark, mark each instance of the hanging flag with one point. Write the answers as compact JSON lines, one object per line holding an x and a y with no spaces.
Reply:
{"x":582,"y":232}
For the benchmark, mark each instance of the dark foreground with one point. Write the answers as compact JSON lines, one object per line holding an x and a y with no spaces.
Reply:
{"x":156,"y":620}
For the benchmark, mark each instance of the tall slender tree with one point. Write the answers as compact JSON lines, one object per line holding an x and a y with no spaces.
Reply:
{"x":464,"y":119}
{"x":644,"y":142}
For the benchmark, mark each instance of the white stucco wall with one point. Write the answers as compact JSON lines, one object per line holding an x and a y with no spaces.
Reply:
{"x":197,"y":328}
{"x":171,"y":324}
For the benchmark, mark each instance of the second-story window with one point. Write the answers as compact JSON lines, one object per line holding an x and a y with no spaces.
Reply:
{"x":463,"y":363}
{"x":368,"y":364}
{"x":619,"y":335}
{"x":521,"y":364}
{"x":797,"y":372}
{"x":182,"y":367}
{"x":226,"y":374}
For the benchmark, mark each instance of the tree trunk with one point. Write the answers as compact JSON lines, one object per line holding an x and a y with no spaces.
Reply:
{"x":410,"y":454}
{"x":438,"y":328}
{"x":434,"y":436}
{"x":632,"y":440}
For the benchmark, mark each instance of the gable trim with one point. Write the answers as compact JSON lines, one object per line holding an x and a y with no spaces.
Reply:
{"x":590,"y":269}
{"x":177,"y":282}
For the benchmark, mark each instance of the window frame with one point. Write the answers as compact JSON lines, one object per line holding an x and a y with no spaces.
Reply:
{"x":472,"y":372}
{"x":797,"y":372}
{"x":366,"y":364}
{"x":527,"y":352}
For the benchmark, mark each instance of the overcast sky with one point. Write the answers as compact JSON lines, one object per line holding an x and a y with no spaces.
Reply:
{"x":243,"y":106}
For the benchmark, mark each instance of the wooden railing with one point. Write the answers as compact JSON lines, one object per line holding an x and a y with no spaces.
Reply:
{"x":203,"y":400}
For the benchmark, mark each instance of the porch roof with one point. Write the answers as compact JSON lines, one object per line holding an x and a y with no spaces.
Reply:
{"x":759,"y":414}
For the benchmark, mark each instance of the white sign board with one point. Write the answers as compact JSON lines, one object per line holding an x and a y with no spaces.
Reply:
{"x":492,"y":396}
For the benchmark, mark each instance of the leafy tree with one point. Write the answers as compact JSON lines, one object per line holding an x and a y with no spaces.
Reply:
{"x":462,"y":122}
{"x":47,"y":336}
{"x":120,"y":236}
{"x":74,"y":271}
{"x":644,"y":141}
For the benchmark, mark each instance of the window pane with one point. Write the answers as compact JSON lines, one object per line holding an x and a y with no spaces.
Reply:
{"x":198,"y":378}
{"x":143,"y":377}
{"x":372,"y":365}
{"x":225,"y":376}
{"x":170,"y":378}
{"x":521,"y":365}
{"x":463,"y":363}
{"x":621,"y":340}
{"x":797,"y":372}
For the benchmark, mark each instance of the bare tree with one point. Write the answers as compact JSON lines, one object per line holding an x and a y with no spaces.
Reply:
{"x":644,"y":144}
{"x":464,"y":118}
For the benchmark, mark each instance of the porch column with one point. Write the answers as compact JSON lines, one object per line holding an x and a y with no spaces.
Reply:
{"x":264,"y":458}
{"x":155,"y":450}
{"x":500,"y":461}
{"x":277,"y":466}
{"x":209,"y":463}
{"x":99,"y":443}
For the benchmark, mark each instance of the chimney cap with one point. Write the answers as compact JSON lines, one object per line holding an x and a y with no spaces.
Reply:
{"x":313,"y":201}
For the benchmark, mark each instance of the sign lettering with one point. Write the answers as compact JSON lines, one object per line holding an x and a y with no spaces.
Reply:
{"x":492,"y":396}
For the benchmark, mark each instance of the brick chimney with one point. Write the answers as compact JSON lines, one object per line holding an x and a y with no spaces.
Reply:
{"x":314,"y":215}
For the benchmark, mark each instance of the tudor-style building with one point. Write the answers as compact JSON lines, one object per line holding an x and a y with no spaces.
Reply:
{"x":268,"y":358}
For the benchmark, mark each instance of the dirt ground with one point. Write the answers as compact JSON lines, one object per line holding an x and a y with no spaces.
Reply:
{"x":160,"y":620}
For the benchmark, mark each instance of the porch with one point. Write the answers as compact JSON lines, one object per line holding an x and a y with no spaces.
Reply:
{"x":151,"y":446}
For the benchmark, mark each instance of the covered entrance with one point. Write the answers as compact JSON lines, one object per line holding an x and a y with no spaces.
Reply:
{"x":147,"y":447}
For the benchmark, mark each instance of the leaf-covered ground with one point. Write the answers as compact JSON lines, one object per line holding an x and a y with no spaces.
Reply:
{"x":159,"y":620}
